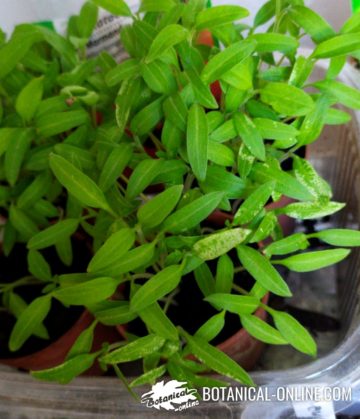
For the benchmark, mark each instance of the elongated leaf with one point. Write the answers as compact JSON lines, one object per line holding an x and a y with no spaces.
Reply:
{"x":88,"y":292}
{"x":290,"y":244}
{"x":155,"y":211}
{"x":224,"y":132}
{"x":287,"y":99}
{"x":224,"y":275}
{"x":158,"y":322}
{"x":114,"y":166}
{"x":148,"y":117}
{"x":38,"y":266}
{"x":165,"y":39}
{"x":202,"y":92}
{"x":149,"y":377}
{"x":176,"y":111}
{"x":237,"y":304}
{"x":270,"y":42}
{"x":338,"y":46}
{"x":352,"y":25}
{"x":273,"y":130}
{"x":115,"y":7}
{"x":67,"y":371}
{"x":197,"y":141}
{"x":142,"y":177}
{"x":311,"y":261}
{"x":226,"y":59}
{"x":261,"y":330}
{"x":52,"y":124}
{"x":192,"y":214}
{"x":137,"y":349}
{"x":123,"y":71}
{"x":266,"y":228}
{"x":262,"y":270}
{"x":312,"y":23}
{"x":220,"y":154}
{"x":156,"y":287}
{"x":83,"y":343}
{"x":87,"y":19}
{"x":254,"y":203}
{"x":217,"y":244}
{"x":301,"y":71}
{"x":29,"y":320}
{"x":219,"y":15}
{"x":77,"y":183}
{"x":159,"y":77}
{"x":15,"y":153}
{"x":22,"y":223}
{"x":112,"y":250}
{"x":336,"y":117}
{"x":212,"y":327}
{"x":135,"y":258}
{"x":113,"y":313}
{"x":36,"y":190}
{"x":294,"y":333}
{"x":53,"y":234}
{"x":29,"y":99}
{"x":250,"y":135}
{"x":311,"y":210}
{"x":344,"y":94}
{"x":339,"y":237}
{"x":217,"y":360}
{"x":219,"y":179}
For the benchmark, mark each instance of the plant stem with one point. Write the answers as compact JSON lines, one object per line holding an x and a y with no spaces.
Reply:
{"x":277,"y":15}
{"x":121,"y":376}
{"x":188,"y":182}
{"x":239,"y":289}
{"x":26,"y":280}
{"x":156,"y":142}
{"x":239,"y":269}
{"x":169,"y":300}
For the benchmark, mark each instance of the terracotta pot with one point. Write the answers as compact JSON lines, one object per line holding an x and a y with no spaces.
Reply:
{"x":56,"y":352}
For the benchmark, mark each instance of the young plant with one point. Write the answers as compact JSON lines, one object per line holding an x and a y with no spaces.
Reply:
{"x":145,"y":183}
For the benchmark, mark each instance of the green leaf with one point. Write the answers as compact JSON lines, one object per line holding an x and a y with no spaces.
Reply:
{"x":202,"y":92}
{"x":112,"y":250}
{"x":29,"y":320}
{"x":294,"y":333}
{"x":265,"y":228}
{"x":53,"y":234}
{"x":290,"y":244}
{"x":308,"y":176}
{"x":36,"y":190}
{"x":338,"y":46}
{"x":265,"y":13}
{"x":262,"y":270}
{"x":220,"y":154}
{"x":274,"y":130}
{"x":6,"y":135}
{"x":336,"y":117}
{"x":219,"y":179}
{"x":114,"y":166}
{"x":271,"y":42}
{"x":219,"y":15}
{"x":286,"y":99}
{"x":156,"y":287}
{"x":237,"y":304}
{"x":224,"y":275}
{"x":29,"y":99}
{"x":158,"y":322}
{"x":137,"y":349}
{"x":245,"y":161}
{"x":115,"y":7}
{"x":217,"y":244}
{"x":64,"y":250}
{"x":156,"y":5}
{"x":312,"y":23}
{"x":339,"y":237}
{"x":197,"y":141}
{"x":83,"y":343}
{"x":176,"y":111}
{"x":155,"y":211}
{"x":224,"y":132}
{"x":227,"y":59}
{"x":150,"y":377}
{"x":127,"y":69}
{"x":77,"y":183}
{"x":134,"y":259}
{"x":88,"y":292}
{"x":147,"y":119}
{"x":15,"y":153}
{"x":261,"y":330}
{"x":301,"y":71}
{"x":212,"y":327}
{"x":217,"y":360}
{"x":142,"y":177}
{"x":250,"y":135}
{"x":254,"y":203}
{"x":67,"y":371}
{"x":352,"y":25}
{"x":22,"y":223}
{"x":311,"y":210}
{"x":51,"y":124}
{"x":165,"y":39}
{"x":192,"y":214}
{"x":344,"y":94}
{"x":311,"y":261}
{"x":204,"y":279}
{"x":129,"y":91}
{"x":159,"y":77}
{"x":38,"y":266}
{"x":87,"y":20}
{"x":112,"y":313}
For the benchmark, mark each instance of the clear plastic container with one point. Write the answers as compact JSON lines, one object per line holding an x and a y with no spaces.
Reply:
{"x":337,"y":158}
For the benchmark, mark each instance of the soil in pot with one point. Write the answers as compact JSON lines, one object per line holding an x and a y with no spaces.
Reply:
{"x":60,"y":318}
